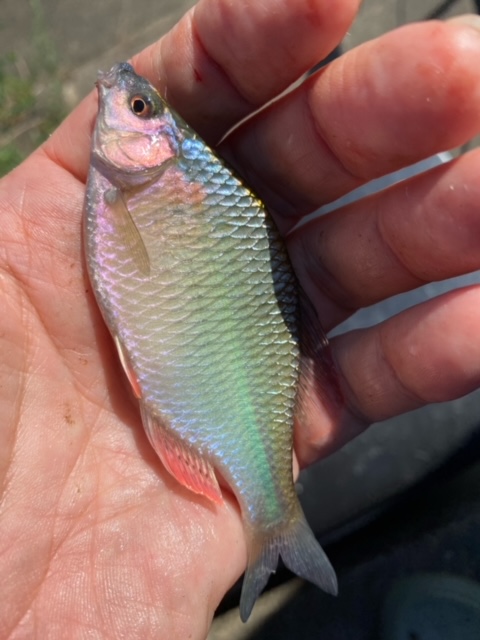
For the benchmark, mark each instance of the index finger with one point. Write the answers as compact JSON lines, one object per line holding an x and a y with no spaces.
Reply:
{"x":220,"y":63}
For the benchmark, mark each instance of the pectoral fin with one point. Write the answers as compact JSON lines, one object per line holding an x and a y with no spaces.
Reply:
{"x":185,"y":464}
{"x":127,"y":229}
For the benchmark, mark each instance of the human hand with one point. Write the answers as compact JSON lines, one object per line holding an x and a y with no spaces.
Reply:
{"x":95,"y":536}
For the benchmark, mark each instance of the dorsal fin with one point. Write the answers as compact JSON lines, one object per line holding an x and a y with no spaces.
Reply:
{"x":181,"y":460}
{"x":319,"y":390}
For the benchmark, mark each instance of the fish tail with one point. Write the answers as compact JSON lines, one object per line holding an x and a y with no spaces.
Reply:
{"x":301,"y":553}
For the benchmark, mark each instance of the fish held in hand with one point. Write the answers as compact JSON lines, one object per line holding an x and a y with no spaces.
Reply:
{"x":195,"y":285}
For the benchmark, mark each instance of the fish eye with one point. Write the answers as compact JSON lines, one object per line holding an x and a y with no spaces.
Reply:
{"x":141,"y":106}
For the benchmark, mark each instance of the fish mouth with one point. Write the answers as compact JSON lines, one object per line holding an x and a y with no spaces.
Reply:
{"x":107,"y":79}
{"x":103,"y":80}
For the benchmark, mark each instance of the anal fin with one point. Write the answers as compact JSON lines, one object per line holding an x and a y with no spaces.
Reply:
{"x":189,"y":468}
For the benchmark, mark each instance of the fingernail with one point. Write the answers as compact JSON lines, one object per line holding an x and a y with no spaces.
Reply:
{"x":468,"y":19}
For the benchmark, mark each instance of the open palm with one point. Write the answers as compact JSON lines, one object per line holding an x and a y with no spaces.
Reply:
{"x":95,"y":538}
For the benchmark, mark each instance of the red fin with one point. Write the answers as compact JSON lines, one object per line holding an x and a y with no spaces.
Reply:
{"x":129,"y":372}
{"x":185,"y":464}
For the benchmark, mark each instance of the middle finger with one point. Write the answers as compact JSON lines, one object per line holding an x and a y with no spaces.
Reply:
{"x":380,"y":107}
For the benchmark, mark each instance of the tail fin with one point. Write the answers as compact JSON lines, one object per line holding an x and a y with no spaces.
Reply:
{"x":301,"y":553}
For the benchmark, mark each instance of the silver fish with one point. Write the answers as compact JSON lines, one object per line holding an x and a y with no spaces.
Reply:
{"x":196,"y":287}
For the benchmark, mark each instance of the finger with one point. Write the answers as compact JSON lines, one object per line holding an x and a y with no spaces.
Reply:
{"x":421,"y":230}
{"x":226,"y":59}
{"x":429,"y":353}
{"x":222,"y":61}
{"x":382,"y":106}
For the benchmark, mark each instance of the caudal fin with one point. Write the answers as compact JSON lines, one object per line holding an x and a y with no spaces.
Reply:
{"x":300,"y":552}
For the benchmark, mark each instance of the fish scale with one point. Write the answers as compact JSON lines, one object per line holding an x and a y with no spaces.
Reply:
{"x":195,"y":285}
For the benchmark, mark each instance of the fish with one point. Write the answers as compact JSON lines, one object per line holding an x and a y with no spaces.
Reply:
{"x":196,"y":287}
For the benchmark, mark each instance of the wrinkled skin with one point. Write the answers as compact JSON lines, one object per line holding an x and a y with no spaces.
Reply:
{"x":95,"y":538}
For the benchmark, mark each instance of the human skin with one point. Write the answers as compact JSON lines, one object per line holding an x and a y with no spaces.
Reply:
{"x":96,"y":540}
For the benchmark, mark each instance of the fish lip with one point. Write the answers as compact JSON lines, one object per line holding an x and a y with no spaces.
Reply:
{"x":103,"y":80}
{"x":107,"y":79}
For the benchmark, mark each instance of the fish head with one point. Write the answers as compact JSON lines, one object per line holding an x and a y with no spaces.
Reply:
{"x":135,"y":133}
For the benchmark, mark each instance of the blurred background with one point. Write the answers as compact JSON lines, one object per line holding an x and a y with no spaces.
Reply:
{"x":50,"y":51}
{"x":402,"y":498}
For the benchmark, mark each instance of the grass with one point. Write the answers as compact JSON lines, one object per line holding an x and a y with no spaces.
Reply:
{"x":31,"y":102}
